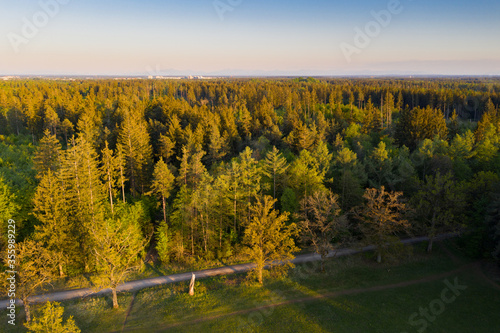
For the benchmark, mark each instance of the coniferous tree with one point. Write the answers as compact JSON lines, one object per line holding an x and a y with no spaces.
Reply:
{"x":135,"y":143}
{"x":108,"y":171}
{"x":47,"y":156}
{"x":305,"y":176}
{"x":274,"y":168}
{"x":118,"y":242}
{"x":163,"y":183}
{"x":269,"y":240}
{"x":55,"y":232}
{"x":50,"y":320}
{"x":250,"y":177}
{"x":85,"y":194}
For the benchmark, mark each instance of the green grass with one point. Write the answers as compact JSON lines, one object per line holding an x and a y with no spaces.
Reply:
{"x":232,"y":304}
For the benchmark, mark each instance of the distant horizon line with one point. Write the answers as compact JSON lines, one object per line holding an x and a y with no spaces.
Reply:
{"x":216,"y":76}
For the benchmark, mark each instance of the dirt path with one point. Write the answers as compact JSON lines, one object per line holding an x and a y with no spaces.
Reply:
{"x":161,"y":280}
{"x":129,"y":310}
{"x":477,"y":268}
{"x":322,"y":296}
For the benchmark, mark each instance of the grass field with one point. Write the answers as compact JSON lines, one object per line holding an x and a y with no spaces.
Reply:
{"x":353,"y":295}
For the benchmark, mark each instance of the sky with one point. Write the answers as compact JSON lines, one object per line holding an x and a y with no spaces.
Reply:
{"x":250,"y":37}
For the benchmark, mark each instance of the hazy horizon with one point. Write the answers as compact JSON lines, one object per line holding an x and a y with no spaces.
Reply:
{"x":249,"y":38}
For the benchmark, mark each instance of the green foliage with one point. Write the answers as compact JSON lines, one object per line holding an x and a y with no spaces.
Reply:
{"x":289,"y":202}
{"x":274,"y":168}
{"x":54,"y":232}
{"x":306,"y":175}
{"x":226,"y":141}
{"x":268,"y":239}
{"x":163,"y":183}
{"x":8,"y":210}
{"x":34,"y":269}
{"x":419,"y":124}
{"x":439,"y":205}
{"x":134,"y":141}
{"x":163,"y":242}
{"x":50,"y":320}
{"x":118,"y":245}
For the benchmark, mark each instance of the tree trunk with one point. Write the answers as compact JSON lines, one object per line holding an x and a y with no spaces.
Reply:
{"x":432,"y":233}
{"x":123,"y":184}
{"x":164,"y":209}
{"x":379,"y":257}
{"x":235,"y":232}
{"x":429,"y":245}
{"x":61,"y":273}
{"x":259,"y":273}
{"x":27,"y":310}
{"x":110,"y":189}
{"x":115,"y":298}
{"x":191,"y":285}
{"x":192,"y":238}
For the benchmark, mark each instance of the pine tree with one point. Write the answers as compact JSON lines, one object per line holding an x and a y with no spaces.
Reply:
{"x":51,"y":120}
{"x":121,"y":169}
{"x":118,"y":242}
{"x":167,"y":147}
{"x":274,"y":167}
{"x":163,"y":183}
{"x":47,"y":156}
{"x":305,"y":178}
{"x":250,"y":177}
{"x":268,"y":239}
{"x":135,"y":143}
{"x":108,"y":172}
{"x":55,"y":232}
{"x":235,"y":190}
{"x":217,"y":145}
{"x":85,"y":193}
{"x":182,"y":178}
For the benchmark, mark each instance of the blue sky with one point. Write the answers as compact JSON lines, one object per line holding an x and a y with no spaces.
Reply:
{"x":253,"y":37}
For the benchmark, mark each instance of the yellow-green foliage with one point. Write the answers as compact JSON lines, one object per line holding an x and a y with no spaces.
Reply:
{"x":51,"y":321}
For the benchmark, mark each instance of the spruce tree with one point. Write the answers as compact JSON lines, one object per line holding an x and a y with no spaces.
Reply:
{"x":274,"y":168}
{"x":135,"y":143}
{"x":163,"y":183}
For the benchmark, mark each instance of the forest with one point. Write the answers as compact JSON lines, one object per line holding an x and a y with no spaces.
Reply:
{"x":101,"y":174}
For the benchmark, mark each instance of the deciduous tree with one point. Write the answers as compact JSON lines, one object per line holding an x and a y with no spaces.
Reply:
{"x":381,"y":217}
{"x":321,"y":223}
{"x":438,"y":205}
